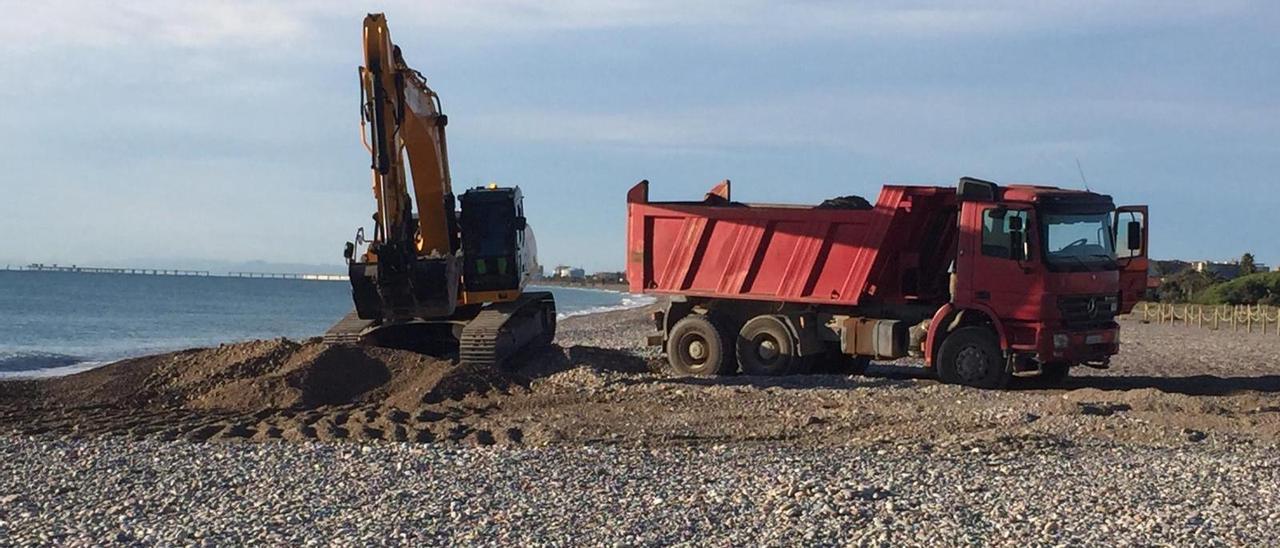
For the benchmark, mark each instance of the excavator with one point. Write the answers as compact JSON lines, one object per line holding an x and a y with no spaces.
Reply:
{"x":449,"y":274}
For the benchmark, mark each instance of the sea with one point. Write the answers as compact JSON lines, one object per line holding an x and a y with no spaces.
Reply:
{"x":57,"y":323}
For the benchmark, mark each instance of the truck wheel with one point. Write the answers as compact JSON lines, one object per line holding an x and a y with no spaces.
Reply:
{"x":696,"y":346}
{"x":766,"y":347}
{"x":971,"y":356}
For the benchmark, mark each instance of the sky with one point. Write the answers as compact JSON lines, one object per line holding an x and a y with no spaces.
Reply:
{"x":151,"y":132}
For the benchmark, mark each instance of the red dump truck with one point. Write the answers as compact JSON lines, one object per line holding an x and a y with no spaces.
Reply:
{"x":985,"y":282}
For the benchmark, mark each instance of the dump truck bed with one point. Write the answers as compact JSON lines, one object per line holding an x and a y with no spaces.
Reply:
{"x":797,"y":254}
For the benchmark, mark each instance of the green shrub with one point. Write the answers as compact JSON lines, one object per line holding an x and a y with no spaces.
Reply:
{"x":1259,"y":288}
{"x":1183,"y":286}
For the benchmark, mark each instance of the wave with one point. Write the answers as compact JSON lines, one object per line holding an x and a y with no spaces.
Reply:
{"x":630,"y":301}
{"x":27,"y":361}
{"x":32,"y":364}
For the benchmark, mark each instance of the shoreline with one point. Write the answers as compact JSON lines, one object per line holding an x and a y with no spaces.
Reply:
{"x":611,"y":287}
{"x":628,"y":301}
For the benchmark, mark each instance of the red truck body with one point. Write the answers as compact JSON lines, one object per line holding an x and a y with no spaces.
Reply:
{"x":788,"y":253}
{"x":1026,"y":263}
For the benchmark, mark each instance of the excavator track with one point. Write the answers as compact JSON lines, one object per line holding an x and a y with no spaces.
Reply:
{"x":501,"y":329}
{"x":349,"y":330}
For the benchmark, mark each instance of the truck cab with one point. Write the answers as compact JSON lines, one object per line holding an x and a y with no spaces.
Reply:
{"x":1051,"y":269}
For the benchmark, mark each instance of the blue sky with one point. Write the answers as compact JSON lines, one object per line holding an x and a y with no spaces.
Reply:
{"x":157,"y":132}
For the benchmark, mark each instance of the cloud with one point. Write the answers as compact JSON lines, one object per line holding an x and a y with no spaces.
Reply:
{"x":885,"y":123}
{"x":62,"y":23}
{"x":227,"y":24}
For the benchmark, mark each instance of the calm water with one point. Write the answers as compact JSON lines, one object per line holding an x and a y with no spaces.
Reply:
{"x":57,"y":323}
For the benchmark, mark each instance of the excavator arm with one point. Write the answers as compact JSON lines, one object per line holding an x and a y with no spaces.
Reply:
{"x":410,"y":268}
{"x":401,"y":115}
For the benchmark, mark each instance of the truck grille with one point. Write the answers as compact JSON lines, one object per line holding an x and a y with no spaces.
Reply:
{"x":1088,"y":310}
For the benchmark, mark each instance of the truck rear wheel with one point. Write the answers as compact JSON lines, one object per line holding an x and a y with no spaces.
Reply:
{"x":697,"y":346}
{"x":971,"y":356}
{"x":766,"y":347}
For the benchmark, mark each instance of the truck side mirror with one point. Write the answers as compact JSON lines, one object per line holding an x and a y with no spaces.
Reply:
{"x":521,"y":223}
{"x":1135,"y":235}
{"x":1015,"y":224}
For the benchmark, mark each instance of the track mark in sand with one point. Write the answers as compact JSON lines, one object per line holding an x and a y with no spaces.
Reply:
{"x":515,"y":435}
{"x":328,"y":432}
{"x":484,"y":437}
{"x":238,"y":430}
{"x":269,"y":432}
{"x":428,"y":416}
{"x":203,"y":433}
{"x":457,"y":432}
{"x":397,"y":416}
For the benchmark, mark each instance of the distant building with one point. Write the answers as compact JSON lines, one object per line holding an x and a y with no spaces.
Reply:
{"x":1226,"y":270}
{"x":564,"y":272}
{"x":608,"y":278}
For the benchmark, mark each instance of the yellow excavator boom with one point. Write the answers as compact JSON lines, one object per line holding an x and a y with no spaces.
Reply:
{"x":405,"y":115}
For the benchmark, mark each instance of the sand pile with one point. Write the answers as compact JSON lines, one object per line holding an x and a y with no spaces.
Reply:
{"x":274,"y":375}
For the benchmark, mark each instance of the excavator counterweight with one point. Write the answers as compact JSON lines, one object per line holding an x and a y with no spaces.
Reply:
{"x":432,"y":276}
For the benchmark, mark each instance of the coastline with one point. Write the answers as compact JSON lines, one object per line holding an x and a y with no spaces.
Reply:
{"x":56,"y":364}
{"x":613,"y":287}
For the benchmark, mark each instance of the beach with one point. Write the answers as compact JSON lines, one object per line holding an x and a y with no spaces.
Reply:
{"x":593,"y":441}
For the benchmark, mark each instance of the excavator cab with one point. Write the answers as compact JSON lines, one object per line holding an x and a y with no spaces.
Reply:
{"x":493,"y":220}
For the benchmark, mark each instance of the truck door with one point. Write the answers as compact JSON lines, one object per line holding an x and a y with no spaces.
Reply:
{"x":995,"y":264}
{"x":1131,"y":252}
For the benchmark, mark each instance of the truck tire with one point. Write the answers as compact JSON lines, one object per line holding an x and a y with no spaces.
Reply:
{"x":972,"y":356}
{"x":697,"y":346}
{"x":766,"y":347}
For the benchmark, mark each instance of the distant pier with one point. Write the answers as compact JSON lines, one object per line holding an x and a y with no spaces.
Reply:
{"x":104,"y":270}
{"x":37,"y":267}
{"x":290,"y":276}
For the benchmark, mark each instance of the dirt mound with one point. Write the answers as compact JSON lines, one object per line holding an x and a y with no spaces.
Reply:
{"x":275,"y":375}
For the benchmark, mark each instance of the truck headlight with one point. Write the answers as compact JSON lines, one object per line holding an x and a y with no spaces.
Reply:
{"x":1060,"y":341}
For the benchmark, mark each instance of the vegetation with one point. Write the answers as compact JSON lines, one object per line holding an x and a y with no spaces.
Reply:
{"x":1256,"y":288}
{"x":1246,"y":265}
{"x":1181,"y":284}
{"x":1184,"y":286}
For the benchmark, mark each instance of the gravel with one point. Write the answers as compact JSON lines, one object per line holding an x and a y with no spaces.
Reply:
{"x":1177,"y":444}
{"x":70,"y":492}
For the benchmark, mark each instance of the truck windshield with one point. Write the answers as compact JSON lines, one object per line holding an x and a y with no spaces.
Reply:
{"x":1081,"y":240}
